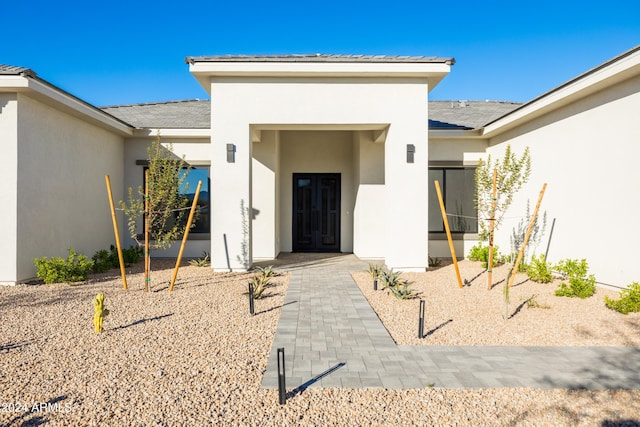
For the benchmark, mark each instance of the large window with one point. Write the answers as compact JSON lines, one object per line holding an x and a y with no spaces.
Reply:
{"x":458,"y":187}
{"x":203,"y":221}
{"x":202,"y":224}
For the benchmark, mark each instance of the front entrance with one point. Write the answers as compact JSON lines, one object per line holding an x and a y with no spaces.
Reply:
{"x":316,"y":212}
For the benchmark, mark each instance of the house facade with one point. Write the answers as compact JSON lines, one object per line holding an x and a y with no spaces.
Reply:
{"x":325,"y":153}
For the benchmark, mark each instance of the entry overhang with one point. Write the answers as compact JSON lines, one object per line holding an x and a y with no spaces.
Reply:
{"x":379,"y":130}
{"x":433,"y":69}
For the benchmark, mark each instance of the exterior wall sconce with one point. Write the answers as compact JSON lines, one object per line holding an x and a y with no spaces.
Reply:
{"x":411,"y":149}
{"x":231,"y":153}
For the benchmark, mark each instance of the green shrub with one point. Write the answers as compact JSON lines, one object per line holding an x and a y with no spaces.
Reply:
{"x":105,"y":260}
{"x":539,"y":270}
{"x":580,"y":284}
{"x":102,"y":261}
{"x":56,"y":270}
{"x":131,"y":255}
{"x":629,"y":301}
{"x":479,"y":252}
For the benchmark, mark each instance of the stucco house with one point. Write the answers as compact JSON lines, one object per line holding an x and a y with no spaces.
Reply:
{"x":324,"y":153}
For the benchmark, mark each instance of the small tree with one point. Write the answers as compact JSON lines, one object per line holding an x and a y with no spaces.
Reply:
{"x":512,"y":174}
{"x":166,"y":179}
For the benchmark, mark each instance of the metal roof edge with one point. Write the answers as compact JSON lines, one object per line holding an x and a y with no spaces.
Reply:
{"x":568,"y":83}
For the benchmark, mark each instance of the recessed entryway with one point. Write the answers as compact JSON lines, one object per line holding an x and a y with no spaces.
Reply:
{"x":316,"y":212}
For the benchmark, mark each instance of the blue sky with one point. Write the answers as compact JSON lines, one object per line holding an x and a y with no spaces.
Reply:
{"x":129,"y":51}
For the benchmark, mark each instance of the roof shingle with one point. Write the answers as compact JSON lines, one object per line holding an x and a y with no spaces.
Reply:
{"x":189,"y":114}
{"x":12,"y":70}
{"x":196,"y":114}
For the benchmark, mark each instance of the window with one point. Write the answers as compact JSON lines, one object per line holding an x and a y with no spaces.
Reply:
{"x":458,"y":187}
{"x":203,"y":221}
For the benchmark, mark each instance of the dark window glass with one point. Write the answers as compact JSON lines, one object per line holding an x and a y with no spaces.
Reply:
{"x":458,"y":188}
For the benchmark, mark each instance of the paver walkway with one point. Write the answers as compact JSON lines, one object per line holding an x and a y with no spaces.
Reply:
{"x":333,"y":338}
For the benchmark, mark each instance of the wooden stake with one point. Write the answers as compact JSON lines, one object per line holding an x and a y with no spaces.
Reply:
{"x":446,"y":227}
{"x":115,"y":231}
{"x":146,"y":231}
{"x":186,"y":234}
{"x":491,"y":229}
{"x":526,"y":236}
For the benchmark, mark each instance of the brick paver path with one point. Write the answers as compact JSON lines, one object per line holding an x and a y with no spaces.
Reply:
{"x":333,"y":338}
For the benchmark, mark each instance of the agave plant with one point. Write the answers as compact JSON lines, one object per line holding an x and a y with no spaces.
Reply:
{"x":399,"y":288}
{"x":266,"y":272}
{"x":402,"y":290}
{"x":203,"y":261}
{"x":259,"y":283}
{"x":375,"y":270}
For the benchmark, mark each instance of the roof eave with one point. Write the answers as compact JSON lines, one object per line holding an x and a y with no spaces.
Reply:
{"x":455,"y":133}
{"x":190,"y":133}
{"x":614,"y":71}
{"x":47,"y":93}
{"x":205,"y":71}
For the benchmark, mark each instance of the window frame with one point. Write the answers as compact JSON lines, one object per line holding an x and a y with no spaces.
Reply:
{"x":193,"y":235}
{"x":444,"y":166}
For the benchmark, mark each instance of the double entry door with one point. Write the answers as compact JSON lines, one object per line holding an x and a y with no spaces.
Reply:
{"x":316,"y":212}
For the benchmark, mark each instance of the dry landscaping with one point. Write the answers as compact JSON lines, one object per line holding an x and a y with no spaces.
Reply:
{"x":196,"y":356}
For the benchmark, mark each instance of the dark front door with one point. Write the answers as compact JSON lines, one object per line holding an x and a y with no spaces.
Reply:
{"x":316,"y":212}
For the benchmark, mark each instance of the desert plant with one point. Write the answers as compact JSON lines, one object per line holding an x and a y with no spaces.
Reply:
{"x":435,"y":262}
{"x":203,"y":261}
{"x":99,"y":312}
{"x":166,"y":178}
{"x":518,"y":234}
{"x":512,"y":174}
{"x":629,"y":301}
{"x":539,"y":270}
{"x":266,"y":272}
{"x":375,"y":270}
{"x":580,"y":284}
{"x":480,"y":252}
{"x":55,"y":270}
{"x":401,"y":289}
{"x":259,"y":283}
{"x":533,"y":303}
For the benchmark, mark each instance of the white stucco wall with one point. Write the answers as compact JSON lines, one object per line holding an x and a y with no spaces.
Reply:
{"x":8,"y":189}
{"x":61,"y":193}
{"x":195,"y":151}
{"x":312,"y":103}
{"x":265,"y":193}
{"x":587,"y":152}
{"x":369,"y":215}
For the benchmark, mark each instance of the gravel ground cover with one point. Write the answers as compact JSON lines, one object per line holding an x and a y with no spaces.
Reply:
{"x":196,"y":357}
{"x":473,"y":315}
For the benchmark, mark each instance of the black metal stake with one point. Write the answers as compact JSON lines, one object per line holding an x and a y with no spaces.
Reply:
{"x":421,"y":321}
{"x":282,"y":386}
{"x":251,"y":304}
{"x":375,"y":283}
